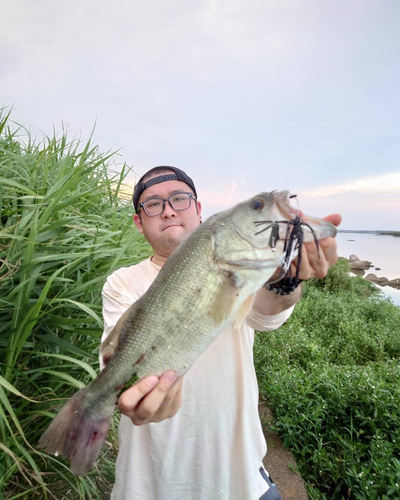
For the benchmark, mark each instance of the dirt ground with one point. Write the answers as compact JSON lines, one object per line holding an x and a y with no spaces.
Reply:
{"x":280,"y":463}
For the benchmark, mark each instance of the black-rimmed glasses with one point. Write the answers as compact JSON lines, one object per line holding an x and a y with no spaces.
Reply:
{"x":178,"y":202}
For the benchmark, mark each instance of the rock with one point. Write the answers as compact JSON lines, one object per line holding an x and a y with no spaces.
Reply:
{"x":394,"y":283}
{"x":379,"y":281}
{"x":359,"y":272}
{"x":358,"y":266}
{"x":356,"y":263}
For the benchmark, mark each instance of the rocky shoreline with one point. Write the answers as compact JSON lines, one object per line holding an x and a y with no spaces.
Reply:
{"x":359,"y":267}
{"x":377,"y":232}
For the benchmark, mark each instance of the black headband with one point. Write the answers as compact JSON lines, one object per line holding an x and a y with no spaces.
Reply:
{"x":179,"y":175}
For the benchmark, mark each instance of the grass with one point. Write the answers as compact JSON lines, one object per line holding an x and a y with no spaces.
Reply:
{"x":63,"y":230}
{"x":331,"y":375}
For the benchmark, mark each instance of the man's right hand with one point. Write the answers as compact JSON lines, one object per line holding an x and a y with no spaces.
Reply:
{"x":152,"y":399}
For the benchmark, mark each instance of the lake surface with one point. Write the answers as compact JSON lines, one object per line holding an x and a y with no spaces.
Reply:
{"x":382,"y":251}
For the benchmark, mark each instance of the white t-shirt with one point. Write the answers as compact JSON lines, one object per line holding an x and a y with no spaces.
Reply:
{"x":213,"y":448}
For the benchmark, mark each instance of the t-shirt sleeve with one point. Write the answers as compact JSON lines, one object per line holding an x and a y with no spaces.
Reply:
{"x":115,"y":302}
{"x":265,"y":323}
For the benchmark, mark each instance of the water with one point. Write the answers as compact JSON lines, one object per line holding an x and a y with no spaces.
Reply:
{"x":382,"y":251}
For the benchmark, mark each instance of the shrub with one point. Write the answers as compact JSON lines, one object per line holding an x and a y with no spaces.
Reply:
{"x":63,"y":230}
{"x":331,"y":375}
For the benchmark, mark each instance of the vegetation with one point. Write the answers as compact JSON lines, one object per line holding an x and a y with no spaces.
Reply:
{"x":331,"y":375}
{"x":390,"y":233}
{"x":63,"y":230}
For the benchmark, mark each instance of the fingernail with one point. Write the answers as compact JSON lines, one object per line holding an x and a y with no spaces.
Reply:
{"x":151,"y":381}
{"x":170,"y":377}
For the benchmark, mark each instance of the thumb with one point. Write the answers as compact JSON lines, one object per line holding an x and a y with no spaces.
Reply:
{"x":334,"y":219}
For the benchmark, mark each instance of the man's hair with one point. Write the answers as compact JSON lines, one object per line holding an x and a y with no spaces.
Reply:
{"x":163,"y":173}
{"x":155,"y":170}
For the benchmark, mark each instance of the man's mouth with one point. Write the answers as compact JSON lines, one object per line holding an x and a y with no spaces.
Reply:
{"x":172,"y":225}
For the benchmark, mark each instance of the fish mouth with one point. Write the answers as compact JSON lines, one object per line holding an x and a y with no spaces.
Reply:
{"x":282,"y":199}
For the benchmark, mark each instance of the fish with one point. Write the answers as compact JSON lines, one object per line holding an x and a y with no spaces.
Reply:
{"x":208,"y":282}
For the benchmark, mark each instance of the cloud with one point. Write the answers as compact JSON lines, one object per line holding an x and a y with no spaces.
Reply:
{"x":224,"y":195}
{"x":222,"y":198}
{"x":359,"y":210}
{"x":386,"y":183}
{"x":366,"y":203}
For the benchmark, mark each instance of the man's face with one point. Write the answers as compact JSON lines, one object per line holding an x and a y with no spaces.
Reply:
{"x":166,"y":231}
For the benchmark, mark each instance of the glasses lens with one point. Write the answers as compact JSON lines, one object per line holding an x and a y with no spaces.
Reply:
{"x":180,"y":201}
{"x":153,"y":207}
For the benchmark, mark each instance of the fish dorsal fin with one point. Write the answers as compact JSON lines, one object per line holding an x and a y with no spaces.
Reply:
{"x":109,"y":346}
{"x":243,"y":312}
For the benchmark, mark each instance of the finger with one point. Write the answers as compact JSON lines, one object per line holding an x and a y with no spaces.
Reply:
{"x":312,"y":263}
{"x":175,"y":394}
{"x":171,"y":403}
{"x":130,"y":398}
{"x":306,"y":271}
{"x":334,"y":219}
{"x":329,"y":249}
{"x":316,"y":262}
{"x":152,"y":402}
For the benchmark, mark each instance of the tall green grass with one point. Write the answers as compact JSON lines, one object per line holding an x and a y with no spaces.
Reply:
{"x":331,"y":375}
{"x":63,"y":230}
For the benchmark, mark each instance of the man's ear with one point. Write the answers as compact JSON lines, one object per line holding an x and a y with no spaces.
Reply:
{"x":199,"y":210}
{"x":138,"y":223}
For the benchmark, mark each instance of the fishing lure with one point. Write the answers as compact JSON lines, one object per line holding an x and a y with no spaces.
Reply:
{"x":286,"y":283}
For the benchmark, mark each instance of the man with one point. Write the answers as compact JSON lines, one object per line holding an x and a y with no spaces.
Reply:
{"x":213,"y":446}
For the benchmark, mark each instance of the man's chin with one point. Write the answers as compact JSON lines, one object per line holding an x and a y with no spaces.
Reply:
{"x":175,"y":237}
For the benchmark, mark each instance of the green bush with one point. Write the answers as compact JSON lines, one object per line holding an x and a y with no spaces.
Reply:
{"x":331,"y":375}
{"x":63,"y":229}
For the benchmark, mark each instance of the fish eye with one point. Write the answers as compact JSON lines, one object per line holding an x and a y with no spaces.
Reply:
{"x":257,"y":205}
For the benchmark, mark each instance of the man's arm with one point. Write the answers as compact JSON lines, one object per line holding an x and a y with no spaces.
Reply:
{"x":314,"y":264}
{"x":269,"y":303}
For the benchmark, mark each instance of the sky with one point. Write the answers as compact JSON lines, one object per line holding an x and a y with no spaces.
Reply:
{"x":244,"y":95}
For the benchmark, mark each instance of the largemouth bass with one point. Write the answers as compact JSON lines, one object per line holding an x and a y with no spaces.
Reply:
{"x":208,"y":282}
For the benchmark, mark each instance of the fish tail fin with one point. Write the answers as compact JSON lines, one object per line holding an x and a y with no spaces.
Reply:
{"x":77,"y":433}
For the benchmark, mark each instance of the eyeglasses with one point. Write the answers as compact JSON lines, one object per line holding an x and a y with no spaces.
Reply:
{"x":178,"y":202}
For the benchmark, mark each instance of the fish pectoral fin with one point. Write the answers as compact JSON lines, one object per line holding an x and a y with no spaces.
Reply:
{"x":223,"y":305}
{"x":243,"y":312}
{"x":226,"y":298}
{"x":109,"y":346}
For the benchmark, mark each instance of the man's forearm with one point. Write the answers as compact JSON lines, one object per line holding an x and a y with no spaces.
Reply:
{"x":269,"y":303}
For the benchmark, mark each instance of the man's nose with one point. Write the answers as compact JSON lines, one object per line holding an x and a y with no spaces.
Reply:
{"x":168,"y":210}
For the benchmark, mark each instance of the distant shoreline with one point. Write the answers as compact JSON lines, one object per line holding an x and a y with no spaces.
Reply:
{"x":378,"y":232}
